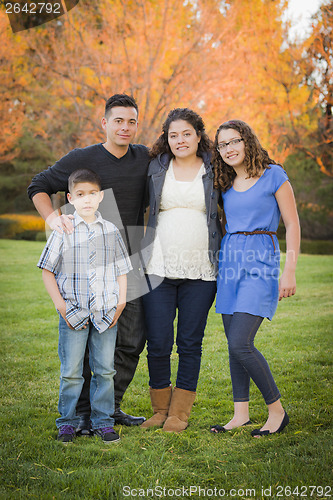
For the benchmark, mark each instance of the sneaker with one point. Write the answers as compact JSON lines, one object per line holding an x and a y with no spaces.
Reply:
{"x":66,"y":434}
{"x":108,"y":434}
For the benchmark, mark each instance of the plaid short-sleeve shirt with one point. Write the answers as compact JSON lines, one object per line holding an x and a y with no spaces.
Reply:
{"x":86,"y":265}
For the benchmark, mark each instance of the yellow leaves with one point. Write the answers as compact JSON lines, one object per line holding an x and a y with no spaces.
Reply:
{"x":67,"y":85}
{"x":88,"y":76}
{"x":224,"y":63}
{"x":25,"y":222}
{"x":14,"y":225}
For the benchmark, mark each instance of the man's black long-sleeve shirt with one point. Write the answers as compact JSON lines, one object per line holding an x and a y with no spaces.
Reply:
{"x":126,"y":176}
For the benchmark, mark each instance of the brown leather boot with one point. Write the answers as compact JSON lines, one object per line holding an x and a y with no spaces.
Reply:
{"x":179,"y":411}
{"x":160,"y":401}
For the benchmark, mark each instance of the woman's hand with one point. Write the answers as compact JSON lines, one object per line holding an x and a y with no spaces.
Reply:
{"x":287,"y":285}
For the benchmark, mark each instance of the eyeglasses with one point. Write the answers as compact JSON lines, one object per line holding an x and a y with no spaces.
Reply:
{"x":223,"y":145}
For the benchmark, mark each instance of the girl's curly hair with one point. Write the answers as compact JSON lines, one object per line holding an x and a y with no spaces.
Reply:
{"x":186,"y":114}
{"x":256,"y":157}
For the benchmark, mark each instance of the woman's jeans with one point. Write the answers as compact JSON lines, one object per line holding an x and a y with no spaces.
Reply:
{"x":193,"y":299}
{"x":245,"y":360}
{"x":71,"y":349}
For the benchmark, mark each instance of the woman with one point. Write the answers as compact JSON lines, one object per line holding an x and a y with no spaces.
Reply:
{"x":255,"y":193}
{"x":180,"y":250}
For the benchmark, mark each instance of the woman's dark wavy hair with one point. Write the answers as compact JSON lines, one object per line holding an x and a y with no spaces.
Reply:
{"x":186,"y":114}
{"x":256,"y":157}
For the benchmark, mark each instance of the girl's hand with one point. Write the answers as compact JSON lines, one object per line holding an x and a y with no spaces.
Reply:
{"x":287,"y":285}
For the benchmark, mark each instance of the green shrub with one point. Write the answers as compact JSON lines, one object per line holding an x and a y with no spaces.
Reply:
{"x":6,"y":228}
{"x":21,"y":227}
{"x":317,"y":247}
{"x":312,"y":247}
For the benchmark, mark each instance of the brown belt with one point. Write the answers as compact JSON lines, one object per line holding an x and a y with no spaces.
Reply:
{"x":270,"y":233}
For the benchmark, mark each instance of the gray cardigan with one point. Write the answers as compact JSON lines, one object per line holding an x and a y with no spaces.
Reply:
{"x":156,"y":175}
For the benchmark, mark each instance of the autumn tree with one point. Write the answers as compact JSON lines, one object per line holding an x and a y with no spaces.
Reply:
{"x":318,"y":68}
{"x":221,"y":58}
{"x":225,"y":59}
{"x":157,"y":51}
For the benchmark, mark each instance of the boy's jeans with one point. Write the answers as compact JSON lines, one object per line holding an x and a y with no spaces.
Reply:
{"x":72,"y":346}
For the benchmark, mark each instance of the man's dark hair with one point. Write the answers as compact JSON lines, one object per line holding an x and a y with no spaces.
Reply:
{"x":124,"y":100}
{"x":83,"y":175}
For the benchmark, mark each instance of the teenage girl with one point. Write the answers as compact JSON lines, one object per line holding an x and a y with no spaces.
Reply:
{"x":255,"y":192}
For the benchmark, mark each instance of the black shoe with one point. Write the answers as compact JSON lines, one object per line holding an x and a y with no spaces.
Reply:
{"x":258,"y":432}
{"x":108,"y":435}
{"x":66,"y":434}
{"x":122,"y":418}
{"x":219,"y":428}
{"x":84,"y":427}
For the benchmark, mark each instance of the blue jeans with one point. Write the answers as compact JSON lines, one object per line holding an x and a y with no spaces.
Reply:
{"x":131,"y":339}
{"x":245,"y":360}
{"x":71,"y":349}
{"x":193,"y":299}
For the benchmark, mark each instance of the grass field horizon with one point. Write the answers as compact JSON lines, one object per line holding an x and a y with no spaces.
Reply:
{"x":295,"y":464}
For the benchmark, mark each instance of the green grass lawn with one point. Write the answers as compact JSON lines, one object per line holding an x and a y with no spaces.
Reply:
{"x":297,"y":344}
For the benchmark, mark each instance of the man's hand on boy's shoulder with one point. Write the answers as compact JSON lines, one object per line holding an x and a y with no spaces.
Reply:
{"x":119,"y":310}
{"x":61,"y":223}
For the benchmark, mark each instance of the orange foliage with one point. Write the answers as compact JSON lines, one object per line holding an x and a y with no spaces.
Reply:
{"x":11,"y":105}
{"x":230,"y":62}
{"x":16,"y":225}
{"x":26,"y":222}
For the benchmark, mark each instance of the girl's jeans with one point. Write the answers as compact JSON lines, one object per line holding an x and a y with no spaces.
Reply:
{"x":245,"y":360}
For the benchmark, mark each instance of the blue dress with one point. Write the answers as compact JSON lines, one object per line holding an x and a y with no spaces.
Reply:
{"x":249,"y":267}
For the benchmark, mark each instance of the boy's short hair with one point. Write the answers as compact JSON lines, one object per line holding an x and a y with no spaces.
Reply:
{"x":83,"y":175}
{"x":123,"y":100}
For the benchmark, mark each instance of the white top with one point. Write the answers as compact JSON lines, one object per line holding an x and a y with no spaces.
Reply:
{"x":180,"y":248}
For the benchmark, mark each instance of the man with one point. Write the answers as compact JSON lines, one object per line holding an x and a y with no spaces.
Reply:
{"x":121,"y":166}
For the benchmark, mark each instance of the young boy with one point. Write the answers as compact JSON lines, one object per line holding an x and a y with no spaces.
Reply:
{"x":85,"y":275}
